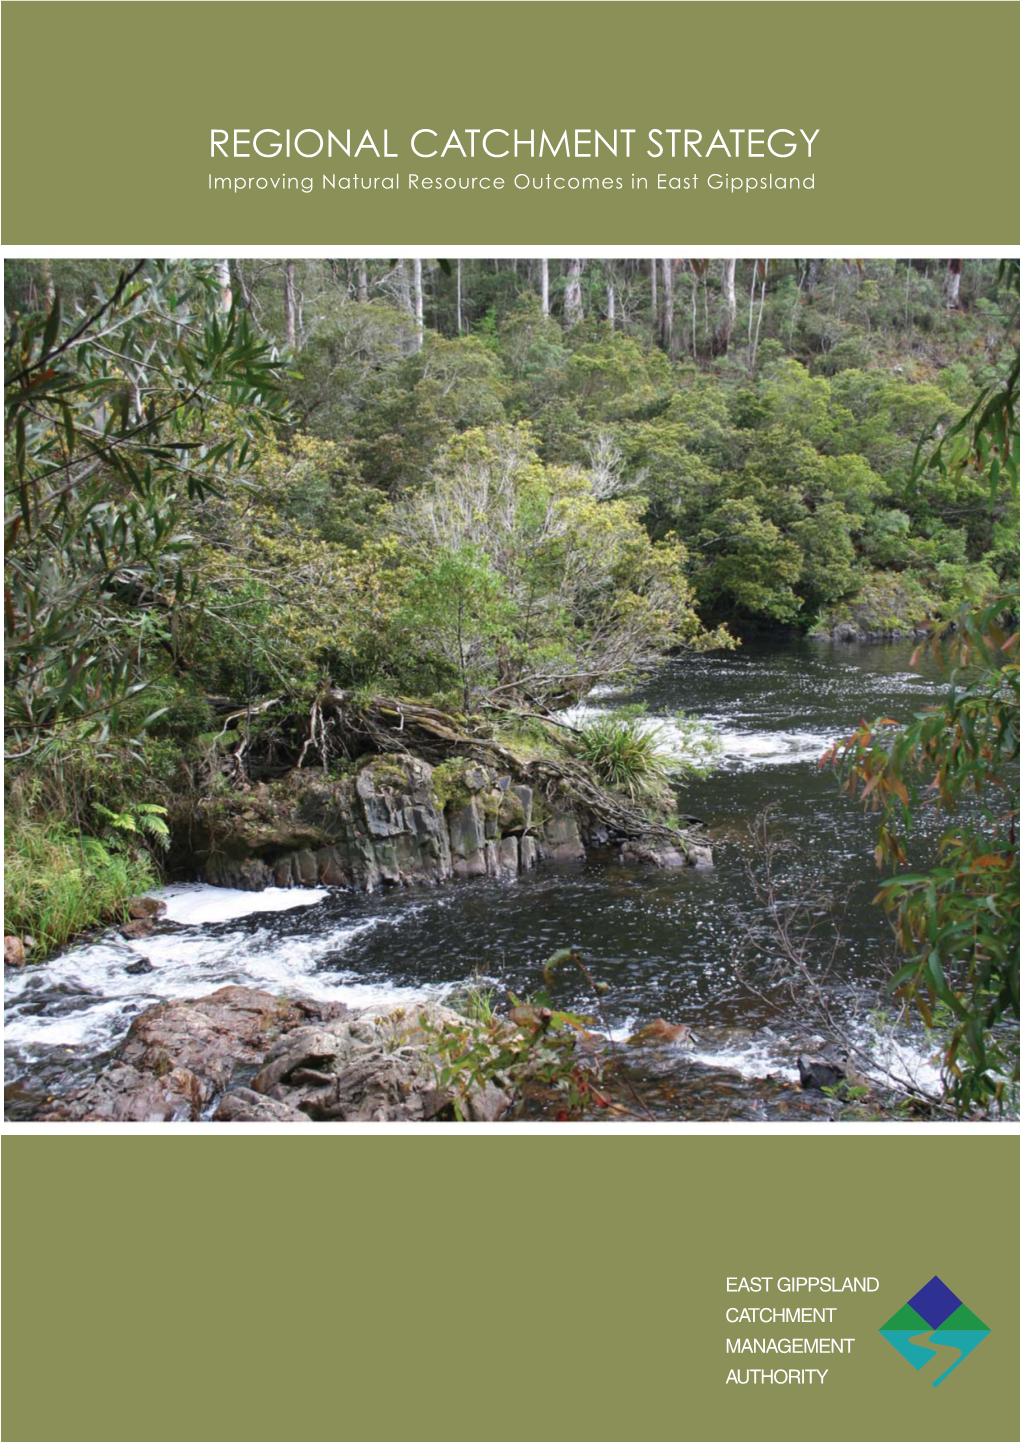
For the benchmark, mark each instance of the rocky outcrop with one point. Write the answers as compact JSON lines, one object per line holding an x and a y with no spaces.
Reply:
{"x":178,"y":1056}
{"x":397,"y":821}
{"x":242,"y":1055}
{"x":890,"y":606}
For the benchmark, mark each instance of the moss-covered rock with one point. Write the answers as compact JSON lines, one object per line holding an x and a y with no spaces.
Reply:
{"x":392,"y":820}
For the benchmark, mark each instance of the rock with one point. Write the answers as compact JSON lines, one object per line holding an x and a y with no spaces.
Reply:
{"x":659,"y":1031}
{"x":509,"y":856}
{"x":395,"y":822}
{"x":699,"y":853}
{"x":514,"y":817}
{"x":846,"y":633}
{"x":825,"y":1070}
{"x":653,"y":854}
{"x":141,"y":926}
{"x":180,"y":1054}
{"x":140,"y":907}
{"x":141,"y":967}
{"x":241,"y":1104}
{"x":487,"y":1105}
{"x":313,"y":1060}
{"x":14,"y":951}
{"x":310,"y":1049}
{"x":562,"y":839}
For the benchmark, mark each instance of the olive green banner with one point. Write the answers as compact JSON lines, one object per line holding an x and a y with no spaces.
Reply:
{"x":544,"y":1286}
{"x":155,"y":125}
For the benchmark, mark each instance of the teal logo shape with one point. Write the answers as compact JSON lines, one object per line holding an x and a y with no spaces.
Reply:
{"x":935,"y":1324}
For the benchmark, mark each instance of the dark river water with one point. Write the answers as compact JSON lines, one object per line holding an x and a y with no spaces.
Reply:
{"x":668,"y":944}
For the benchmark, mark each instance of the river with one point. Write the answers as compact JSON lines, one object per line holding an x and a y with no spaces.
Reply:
{"x":668,"y":944}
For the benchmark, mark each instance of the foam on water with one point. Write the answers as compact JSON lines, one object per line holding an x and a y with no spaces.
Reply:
{"x":84,"y":999}
{"x":739,"y":749}
{"x":196,"y":905}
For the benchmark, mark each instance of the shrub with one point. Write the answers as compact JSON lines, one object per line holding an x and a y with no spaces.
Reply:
{"x":625,"y":753}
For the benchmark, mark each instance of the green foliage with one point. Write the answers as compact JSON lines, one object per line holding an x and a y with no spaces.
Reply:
{"x":958,"y":924}
{"x":530,"y":1050}
{"x":629,"y":754}
{"x":59,"y":884}
{"x":113,"y":418}
{"x":145,"y":819}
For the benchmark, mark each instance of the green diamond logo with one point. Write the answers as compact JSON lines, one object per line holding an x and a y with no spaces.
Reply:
{"x":935,"y":1324}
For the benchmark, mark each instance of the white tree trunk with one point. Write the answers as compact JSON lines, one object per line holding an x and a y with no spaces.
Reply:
{"x":289,"y":305}
{"x":545,"y":286}
{"x":954,"y":275}
{"x":762,"y":268}
{"x":573,"y":305}
{"x":667,"y":306}
{"x":730,"y":297}
{"x":655,"y":296}
{"x":694,"y":312}
{"x":611,"y":305}
{"x":362,"y":280}
{"x":223,"y":281}
{"x":419,"y":307}
{"x":460,"y":299}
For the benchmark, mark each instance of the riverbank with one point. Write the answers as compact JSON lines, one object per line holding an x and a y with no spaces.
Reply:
{"x":666,"y":942}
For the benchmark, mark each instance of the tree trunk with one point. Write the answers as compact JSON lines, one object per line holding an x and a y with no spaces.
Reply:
{"x":419,"y":306}
{"x":667,"y":307}
{"x":730,"y":296}
{"x":48,"y":288}
{"x":289,"y":305}
{"x":954,"y":275}
{"x":223,"y":281}
{"x":694,"y":310}
{"x":573,"y":305}
{"x":545,"y":286}
{"x":460,"y":299}
{"x":761,"y":269}
{"x":611,"y":305}
{"x":655,"y":296}
{"x":362,"y":280}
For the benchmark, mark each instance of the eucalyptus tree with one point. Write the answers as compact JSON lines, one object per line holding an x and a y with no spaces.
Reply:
{"x":115,"y":418}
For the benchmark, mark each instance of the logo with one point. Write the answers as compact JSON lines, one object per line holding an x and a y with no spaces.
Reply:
{"x":935,"y":1323}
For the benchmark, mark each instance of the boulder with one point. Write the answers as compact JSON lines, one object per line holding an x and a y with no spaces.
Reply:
{"x":141,"y":967}
{"x":827,"y":1069}
{"x":180,"y":1054}
{"x":14,"y":951}
{"x":561,"y":839}
{"x":241,"y":1104}
{"x":661,"y":1031}
{"x":140,"y":907}
{"x":312,"y":1061}
{"x":141,"y":926}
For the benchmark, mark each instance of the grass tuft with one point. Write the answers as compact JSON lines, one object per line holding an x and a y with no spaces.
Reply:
{"x":57,"y":884}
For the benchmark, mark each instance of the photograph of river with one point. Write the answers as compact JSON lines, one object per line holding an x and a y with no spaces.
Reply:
{"x":663,"y":940}
{"x":423,"y":678}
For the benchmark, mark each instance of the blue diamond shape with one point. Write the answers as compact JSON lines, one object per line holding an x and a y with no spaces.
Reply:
{"x":935,"y":1302}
